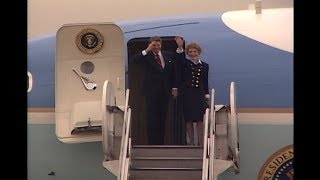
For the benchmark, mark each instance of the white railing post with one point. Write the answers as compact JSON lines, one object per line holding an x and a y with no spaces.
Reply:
{"x":107,"y":99}
{"x":234,"y":128}
{"x":126,"y":147}
{"x":205,"y":147}
{"x":212,"y":136}
{"x":128,"y":159}
{"x":123,"y":140}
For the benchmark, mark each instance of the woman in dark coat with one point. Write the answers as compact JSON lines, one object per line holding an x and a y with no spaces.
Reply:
{"x":193,"y":88}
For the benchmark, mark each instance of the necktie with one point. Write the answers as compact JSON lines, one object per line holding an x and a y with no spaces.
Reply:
{"x":157,"y":57}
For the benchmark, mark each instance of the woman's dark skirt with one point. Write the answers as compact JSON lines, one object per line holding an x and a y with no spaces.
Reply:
{"x":193,"y":104}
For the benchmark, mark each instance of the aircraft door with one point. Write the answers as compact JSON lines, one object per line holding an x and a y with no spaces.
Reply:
{"x":86,"y":56}
{"x":174,"y":130}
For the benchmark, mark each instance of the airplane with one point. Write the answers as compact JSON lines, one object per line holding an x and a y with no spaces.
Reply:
{"x":235,"y":44}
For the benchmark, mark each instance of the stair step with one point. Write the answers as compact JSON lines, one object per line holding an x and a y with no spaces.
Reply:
{"x":166,"y":173}
{"x":166,"y":151}
{"x":166,"y":162}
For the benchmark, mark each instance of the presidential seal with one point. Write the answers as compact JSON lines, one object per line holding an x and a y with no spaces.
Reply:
{"x":279,"y":166}
{"x":89,"y":40}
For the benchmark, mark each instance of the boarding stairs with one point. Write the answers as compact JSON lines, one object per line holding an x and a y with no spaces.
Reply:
{"x":165,"y":162}
{"x":175,"y":162}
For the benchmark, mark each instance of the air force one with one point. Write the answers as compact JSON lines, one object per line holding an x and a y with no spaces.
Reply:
{"x":81,"y":117}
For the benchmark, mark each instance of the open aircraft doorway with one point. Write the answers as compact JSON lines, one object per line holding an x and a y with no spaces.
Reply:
{"x":174,"y":124}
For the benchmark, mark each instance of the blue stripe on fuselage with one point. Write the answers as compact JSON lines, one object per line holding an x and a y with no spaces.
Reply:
{"x":41,"y":63}
{"x":263,"y":75}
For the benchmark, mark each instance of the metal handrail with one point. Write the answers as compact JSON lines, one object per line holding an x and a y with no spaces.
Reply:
{"x":208,"y":145}
{"x":107,"y":94}
{"x":205,"y":147}
{"x":234,"y":128}
{"x":212,"y":136}
{"x":124,"y":139}
{"x":127,"y":148}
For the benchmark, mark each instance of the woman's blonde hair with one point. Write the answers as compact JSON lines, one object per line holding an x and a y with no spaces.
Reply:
{"x":193,"y":45}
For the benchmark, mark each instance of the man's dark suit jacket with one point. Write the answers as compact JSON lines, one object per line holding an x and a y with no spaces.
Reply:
{"x":155,"y":74}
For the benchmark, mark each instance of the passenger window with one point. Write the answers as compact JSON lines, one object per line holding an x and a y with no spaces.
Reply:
{"x":29,"y":82}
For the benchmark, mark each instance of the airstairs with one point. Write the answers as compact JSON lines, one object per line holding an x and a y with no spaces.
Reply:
{"x":166,"y":162}
{"x":173,"y":162}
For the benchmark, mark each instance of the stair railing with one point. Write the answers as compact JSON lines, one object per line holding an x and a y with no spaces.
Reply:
{"x":205,"y":157}
{"x":127,"y":149}
{"x":208,"y":145}
{"x":107,"y":101}
{"x":212,"y":136}
{"x":125,"y":142}
{"x":234,"y":129}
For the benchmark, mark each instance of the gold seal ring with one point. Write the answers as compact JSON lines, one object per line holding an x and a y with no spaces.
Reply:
{"x":89,"y":40}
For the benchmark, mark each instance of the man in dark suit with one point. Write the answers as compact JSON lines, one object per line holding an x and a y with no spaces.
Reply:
{"x":159,"y":83}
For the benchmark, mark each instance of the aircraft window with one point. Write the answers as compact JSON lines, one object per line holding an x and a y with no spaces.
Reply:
{"x":29,"y":84}
{"x":87,"y":67}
